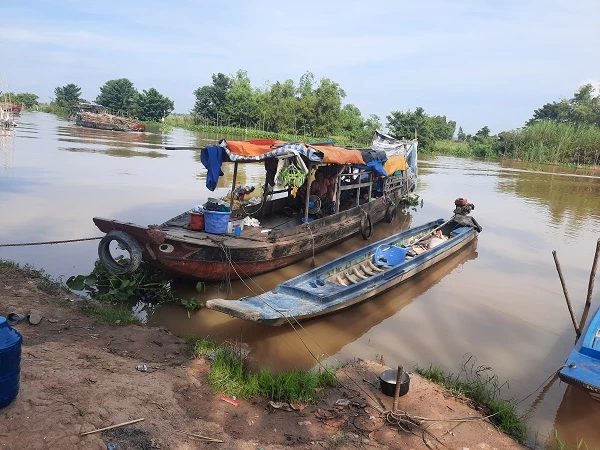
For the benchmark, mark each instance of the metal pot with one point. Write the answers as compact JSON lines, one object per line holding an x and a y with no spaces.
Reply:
{"x":387,"y":382}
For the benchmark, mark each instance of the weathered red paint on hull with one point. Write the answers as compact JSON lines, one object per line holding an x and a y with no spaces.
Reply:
{"x":211,"y":271}
{"x":185,"y":253}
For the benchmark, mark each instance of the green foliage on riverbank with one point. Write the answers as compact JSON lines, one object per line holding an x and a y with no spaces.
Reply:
{"x":230,"y":375}
{"x":53,"y":108}
{"x":146,"y":284}
{"x":478,"y":384}
{"x":219,"y":131}
{"x":47,"y":284}
{"x":551,"y":142}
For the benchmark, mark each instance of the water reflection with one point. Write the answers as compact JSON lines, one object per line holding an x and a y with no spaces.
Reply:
{"x":284,"y":347}
{"x":577,"y":418}
{"x":506,"y":307}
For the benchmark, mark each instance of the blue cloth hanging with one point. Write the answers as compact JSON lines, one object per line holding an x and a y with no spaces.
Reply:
{"x":212,"y":158}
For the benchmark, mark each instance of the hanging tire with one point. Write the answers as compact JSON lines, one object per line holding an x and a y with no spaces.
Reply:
{"x":391,"y":213}
{"x":366,"y":227}
{"x":127,"y":243}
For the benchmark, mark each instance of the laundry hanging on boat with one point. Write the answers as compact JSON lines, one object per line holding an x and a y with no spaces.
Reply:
{"x":212,"y":158}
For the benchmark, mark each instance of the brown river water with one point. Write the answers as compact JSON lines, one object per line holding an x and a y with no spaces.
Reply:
{"x":499,"y":301}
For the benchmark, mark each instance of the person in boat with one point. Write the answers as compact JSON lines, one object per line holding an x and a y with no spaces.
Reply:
{"x":271,"y":169}
{"x":324,"y":187}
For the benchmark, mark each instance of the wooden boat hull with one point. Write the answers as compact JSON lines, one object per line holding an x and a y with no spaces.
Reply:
{"x":176,"y":249}
{"x":108,"y":126}
{"x":313,"y":294}
{"x":582,"y":368}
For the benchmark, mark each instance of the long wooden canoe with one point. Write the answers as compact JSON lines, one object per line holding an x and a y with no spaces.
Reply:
{"x":356,"y":276}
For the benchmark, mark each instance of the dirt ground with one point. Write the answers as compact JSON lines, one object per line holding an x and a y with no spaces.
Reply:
{"x":80,"y":375}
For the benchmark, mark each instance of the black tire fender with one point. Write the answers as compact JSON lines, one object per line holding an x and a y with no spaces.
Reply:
{"x":391,"y":213}
{"x":125,"y":241}
{"x":366,"y":227}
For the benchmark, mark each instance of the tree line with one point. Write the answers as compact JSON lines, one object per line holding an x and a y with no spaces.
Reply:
{"x":120,"y":97}
{"x":317,"y":109}
{"x":306,"y":108}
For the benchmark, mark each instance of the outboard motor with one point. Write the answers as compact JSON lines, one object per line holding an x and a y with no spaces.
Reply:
{"x":463,"y":207}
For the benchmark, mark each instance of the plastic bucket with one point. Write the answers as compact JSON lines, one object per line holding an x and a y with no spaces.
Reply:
{"x":10,"y":362}
{"x":216,"y":222}
{"x":197,"y":221}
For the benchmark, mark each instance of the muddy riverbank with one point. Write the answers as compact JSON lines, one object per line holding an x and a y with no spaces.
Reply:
{"x":80,"y":375}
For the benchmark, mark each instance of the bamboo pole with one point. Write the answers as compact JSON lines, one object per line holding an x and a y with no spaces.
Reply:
{"x":112,"y":426}
{"x":564,"y":287}
{"x":199,"y":436}
{"x":235,"y":169}
{"x":397,"y":391}
{"x":588,"y":300}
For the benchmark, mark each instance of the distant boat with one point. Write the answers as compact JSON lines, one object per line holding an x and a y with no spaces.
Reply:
{"x":7,"y":113}
{"x":356,"y":276}
{"x":104,"y":121}
{"x":583,"y":365}
{"x":96,"y":116}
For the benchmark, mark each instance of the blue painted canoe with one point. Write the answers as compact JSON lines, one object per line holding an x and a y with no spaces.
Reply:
{"x":583,"y":365}
{"x":356,"y":276}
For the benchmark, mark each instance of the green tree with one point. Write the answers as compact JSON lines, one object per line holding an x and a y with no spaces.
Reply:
{"x":280,"y":107}
{"x":404,"y":125}
{"x":582,"y":109}
{"x":484,"y":132}
{"x":328,"y":104}
{"x":442,"y":129}
{"x":25,"y":99}
{"x":68,"y":96}
{"x":241,"y":102}
{"x":460,"y":136}
{"x":351,"y":120}
{"x":211,"y":99}
{"x":119,"y":96}
{"x":152,"y":105}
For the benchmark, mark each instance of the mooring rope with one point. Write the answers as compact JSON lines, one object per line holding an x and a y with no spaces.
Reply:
{"x":297,"y":326}
{"x":65,"y":241}
{"x":399,"y":418}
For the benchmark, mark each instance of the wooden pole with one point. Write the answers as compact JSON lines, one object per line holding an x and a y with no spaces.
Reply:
{"x":199,"y":436}
{"x":112,"y":426}
{"x":564,"y":286}
{"x":235,"y":167}
{"x":588,"y":300}
{"x":397,"y":391}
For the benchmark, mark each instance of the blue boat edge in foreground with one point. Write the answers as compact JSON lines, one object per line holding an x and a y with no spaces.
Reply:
{"x":582,"y":367}
{"x":323,"y":291}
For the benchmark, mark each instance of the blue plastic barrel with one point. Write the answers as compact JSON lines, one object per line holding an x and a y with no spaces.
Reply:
{"x":10,"y":362}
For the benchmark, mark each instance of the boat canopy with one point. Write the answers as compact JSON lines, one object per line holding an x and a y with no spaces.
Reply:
{"x":261,"y":149}
{"x":386,"y":156}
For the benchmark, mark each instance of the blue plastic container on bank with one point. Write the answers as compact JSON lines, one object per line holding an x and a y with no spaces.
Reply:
{"x":10,"y":362}
{"x":216,"y":222}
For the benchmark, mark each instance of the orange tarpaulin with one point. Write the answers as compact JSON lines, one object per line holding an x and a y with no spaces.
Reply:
{"x":253,"y":148}
{"x":395,"y":163}
{"x":339,"y":155}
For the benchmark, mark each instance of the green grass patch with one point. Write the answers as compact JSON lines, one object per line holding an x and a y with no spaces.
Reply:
{"x":230,"y":374}
{"x":556,"y":443}
{"x":554,"y":143}
{"x":43,"y":281}
{"x":482,"y":387}
{"x":220,"y":131}
{"x":111,"y":314}
{"x":453,"y":148}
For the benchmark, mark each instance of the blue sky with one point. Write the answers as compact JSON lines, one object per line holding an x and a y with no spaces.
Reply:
{"x":477,"y":62}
